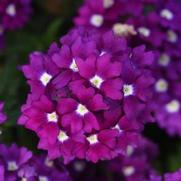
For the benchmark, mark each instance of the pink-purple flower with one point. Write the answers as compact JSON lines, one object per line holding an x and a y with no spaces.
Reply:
{"x":82,"y":99}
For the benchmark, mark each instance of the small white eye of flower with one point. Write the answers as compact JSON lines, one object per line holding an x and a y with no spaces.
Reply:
{"x":144,"y":31}
{"x":117,"y":128}
{"x":161,"y":85}
{"x":92,"y":139}
{"x":12,"y":166}
{"x":129,"y":150}
{"x":108,"y":3}
{"x":42,"y":178}
{"x":172,"y":37}
{"x":102,"y":53}
{"x":45,"y":78}
{"x":79,"y":166}
{"x":120,"y":29}
{"x":97,"y":81}
{"x":49,"y":163}
{"x":128,"y":90}
{"x":62,"y":136}
{"x":11,"y":10}
{"x":73,"y":66}
{"x":128,"y":171}
{"x":173,"y":106}
{"x":164,"y":60}
{"x":97,"y":20}
{"x":167,"y":14}
{"x":81,"y":110}
{"x":52,"y":117}
{"x":24,"y":179}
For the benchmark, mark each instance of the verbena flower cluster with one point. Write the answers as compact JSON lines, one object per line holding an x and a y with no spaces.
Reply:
{"x":156,"y":24}
{"x":20,"y":164}
{"x":13,"y":14}
{"x":92,"y":93}
{"x":84,"y":93}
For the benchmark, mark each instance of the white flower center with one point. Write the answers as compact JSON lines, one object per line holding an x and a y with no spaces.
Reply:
{"x":52,"y":117}
{"x":164,"y":60}
{"x":79,"y":166}
{"x":97,"y":20}
{"x":81,"y":110}
{"x":24,"y":179}
{"x":129,"y":150}
{"x":123,"y":29}
{"x":128,"y":171}
{"x":117,"y":128}
{"x":92,"y":139}
{"x":161,"y":85}
{"x":144,"y":31}
{"x":96,"y":81}
{"x":11,"y":10}
{"x":128,"y":90}
{"x":45,"y":78}
{"x":172,"y":37}
{"x":102,"y":53}
{"x":173,"y":106}
{"x":62,"y":136}
{"x":49,"y":163}
{"x":73,"y":66}
{"x":12,"y":166}
{"x":42,"y":178}
{"x":108,"y":3}
{"x":167,"y":14}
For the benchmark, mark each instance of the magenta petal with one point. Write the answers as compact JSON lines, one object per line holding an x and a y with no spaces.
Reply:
{"x":66,"y":105}
{"x":52,"y":130}
{"x":107,"y":69}
{"x":87,"y":67}
{"x":97,"y":103}
{"x":108,"y":137}
{"x":63,"y":58}
{"x":74,"y":121}
{"x":112,"y":89}
{"x":62,"y":79}
{"x":90,"y":122}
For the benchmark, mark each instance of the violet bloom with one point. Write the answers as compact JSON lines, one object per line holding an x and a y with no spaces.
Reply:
{"x":175,"y":176}
{"x":97,"y":14}
{"x":15,"y":13}
{"x":19,"y":164}
{"x":85,"y":101}
{"x":3,"y":117}
{"x":136,"y":165}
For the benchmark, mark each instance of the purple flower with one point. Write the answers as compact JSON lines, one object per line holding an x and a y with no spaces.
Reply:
{"x":136,"y":165}
{"x":19,"y":164}
{"x":15,"y":13}
{"x":82,"y":93}
{"x":3,"y":117}
{"x":175,"y":176}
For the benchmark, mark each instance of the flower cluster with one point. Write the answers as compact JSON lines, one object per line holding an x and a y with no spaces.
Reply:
{"x":135,"y":165}
{"x":156,"y":24}
{"x":89,"y":98}
{"x":13,"y":14}
{"x":19,"y":164}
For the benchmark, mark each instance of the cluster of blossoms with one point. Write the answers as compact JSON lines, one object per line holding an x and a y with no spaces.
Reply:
{"x":155,"y":24}
{"x":89,"y":98}
{"x":135,"y":165}
{"x":13,"y":14}
{"x":20,"y":164}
